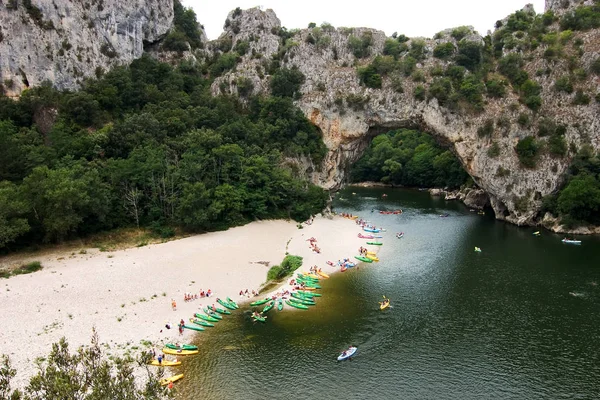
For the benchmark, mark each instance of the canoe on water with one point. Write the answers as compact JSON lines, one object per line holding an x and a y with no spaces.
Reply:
{"x":165,"y":363}
{"x":280,"y":304}
{"x":383,"y":305}
{"x":375,"y":243}
{"x":306,"y":302}
{"x":571,"y":241}
{"x":211,"y":313}
{"x":233,"y":303}
{"x":259,"y":318}
{"x":225,"y":304}
{"x":201,"y":322}
{"x":347,"y":354}
{"x":259,"y":302}
{"x":193,"y":327}
{"x":313,"y":294}
{"x":167,"y":350}
{"x":296,"y":305}
{"x":365,"y":259}
{"x":174,"y":378}
{"x":183,"y":346}
{"x":206,"y":317}
{"x":268,"y":307}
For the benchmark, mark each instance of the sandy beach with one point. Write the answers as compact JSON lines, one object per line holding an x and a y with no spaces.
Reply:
{"x":126,"y":295}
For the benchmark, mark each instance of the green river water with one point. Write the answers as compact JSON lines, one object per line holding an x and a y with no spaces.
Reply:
{"x":520,"y":320}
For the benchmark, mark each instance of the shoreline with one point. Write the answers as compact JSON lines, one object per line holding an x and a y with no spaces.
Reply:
{"x":126,"y":294}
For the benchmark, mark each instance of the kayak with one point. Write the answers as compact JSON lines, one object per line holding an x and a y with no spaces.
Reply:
{"x":383,"y":305}
{"x":322,"y":274}
{"x":296,"y":305}
{"x":307,"y":278}
{"x":201,"y":322}
{"x":300,"y":297}
{"x":375,"y":243}
{"x":477,"y":249}
{"x":372,"y":257}
{"x":259,"y":302}
{"x":206,"y":317}
{"x":311,"y":275}
{"x":313,"y":294}
{"x":183,"y":346}
{"x":309,"y":288}
{"x":174,"y":378}
{"x":365,"y":259}
{"x":571,"y":241}
{"x":211,"y":313}
{"x":167,"y":350}
{"x":280,"y":304}
{"x":347,"y":354}
{"x":259,"y":318}
{"x":371,"y":230}
{"x":372,"y":253}
{"x":306,"y":302}
{"x":222,"y":311}
{"x":193,"y":327}
{"x":233,"y":303}
{"x":165,"y":363}
{"x":268,"y":307}
{"x":225,"y":304}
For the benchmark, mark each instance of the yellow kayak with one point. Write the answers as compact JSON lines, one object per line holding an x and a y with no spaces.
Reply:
{"x":383,"y":305}
{"x":312,"y":275}
{"x":372,"y":257}
{"x":167,"y":350}
{"x":323,"y":274}
{"x":166,"y":381}
{"x":165,"y":363}
{"x":371,"y":253}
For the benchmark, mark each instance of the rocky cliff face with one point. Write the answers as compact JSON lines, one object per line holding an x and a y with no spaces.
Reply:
{"x":65,"y":41}
{"x":350,"y":114}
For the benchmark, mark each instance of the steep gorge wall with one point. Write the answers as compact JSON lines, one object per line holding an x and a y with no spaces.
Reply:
{"x":64,"y":41}
{"x":330,"y":69}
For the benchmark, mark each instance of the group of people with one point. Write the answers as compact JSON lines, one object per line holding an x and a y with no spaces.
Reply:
{"x":363,"y":251}
{"x":194,"y":296}
{"x":347,"y":215}
{"x":313,"y":245}
{"x":314,"y":269}
{"x":246,"y":293}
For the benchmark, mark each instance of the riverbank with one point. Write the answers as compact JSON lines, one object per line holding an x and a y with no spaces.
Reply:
{"x":126,"y":294}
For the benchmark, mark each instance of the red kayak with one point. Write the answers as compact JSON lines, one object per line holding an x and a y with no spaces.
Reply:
{"x":360,"y":235}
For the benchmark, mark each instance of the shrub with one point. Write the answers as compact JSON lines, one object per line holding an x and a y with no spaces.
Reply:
{"x":563,"y":84}
{"x":523,"y":119}
{"x":244,"y":86}
{"x":460,"y":32}
{"x":496,"y":88}
{"x":533,"y":102}
{"x":417,"y":49}
{"x":581,"y":18}
{"x":360,"y":46}
{"x":369,"y":77}
{"x":546,"y":127}
{"x":580,"y":199}
{"x":441,"y":89}
{"x":469,"y":54}
{"x":494,"y":150}
{"x":397,"y":84}
{"x":286,"y":82}
{"x":595,"y":66}
{"x":581,"y":99}
{"x":486,"y":129}
{"x":28,"y":268}
{"x":444,"y":50}
{"x":419,"y":93}
{"x":274,"y":273}
{"x":527,"y":150}
{"x":510,"y":66}
{"x":557,"y":145}
{"x":175,"y":41}
{"x":418,"y":76}
{"x":290,"y":263}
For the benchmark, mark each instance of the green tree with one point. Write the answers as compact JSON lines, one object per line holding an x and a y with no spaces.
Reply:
{"x":13,"y":211}
{"x":527,"y":150}
{"x":286,"y":82}
{"x":580,"y":199}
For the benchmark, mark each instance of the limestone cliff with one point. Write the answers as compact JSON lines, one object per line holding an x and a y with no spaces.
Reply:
{"x":65,"y":41}
{"x":351,"y":114}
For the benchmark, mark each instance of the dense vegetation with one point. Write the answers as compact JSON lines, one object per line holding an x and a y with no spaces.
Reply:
{"x":87,"y":375}
{"x":579,"y":201}
{"x":148,"y":145}
{"x":289,"y":264}
{"x":409,"y":158}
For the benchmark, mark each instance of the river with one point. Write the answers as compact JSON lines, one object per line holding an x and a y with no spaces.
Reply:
{"x":520,"y":320}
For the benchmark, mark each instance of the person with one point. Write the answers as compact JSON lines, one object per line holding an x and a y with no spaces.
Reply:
{"x":181,"y":324}
{"x":170,"y":386}
{"x":173,"y":305}
{"x":241,"y":293}
{"x":159,"y":358}
{"x":208,"y":293}
{"x":168,"y":325}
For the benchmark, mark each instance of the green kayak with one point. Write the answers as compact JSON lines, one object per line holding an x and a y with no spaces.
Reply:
{"x":364,"y":259}
{"x":301,"y":296}
{"x":201,"y":322}
{"x":375,"y":243}
{"x":259,"y":319}
{"x":307,"y":278}
{"x":222,"y":311}
{"x":314,"y":294}
{"x":211,"y":313}
{"x":296,"y":305}
{"x":259,"y":302}
{"x":233,"y":303}
{"x":225,"y":304}
{"x":303,"y":301}
{"x":183,"y":346}
{"x":206,"y":317}
{"x":280,"y":304}
{"x":312,"y":285}
{"x":268,"y":307}
{"x":193,"y":327}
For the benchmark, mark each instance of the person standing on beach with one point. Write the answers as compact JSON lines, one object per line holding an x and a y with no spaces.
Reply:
{"x":181,"y":324}
{"x":173,"y":305}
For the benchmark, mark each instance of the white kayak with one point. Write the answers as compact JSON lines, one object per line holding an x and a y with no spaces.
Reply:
{"x":569,"y":241}
{"x":348,"y":353}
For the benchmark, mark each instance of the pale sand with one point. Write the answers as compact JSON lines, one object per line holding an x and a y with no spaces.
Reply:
{"x":73,"y":294}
